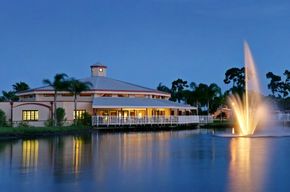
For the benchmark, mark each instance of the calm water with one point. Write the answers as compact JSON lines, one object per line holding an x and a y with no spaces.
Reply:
{"x":159,"y":161}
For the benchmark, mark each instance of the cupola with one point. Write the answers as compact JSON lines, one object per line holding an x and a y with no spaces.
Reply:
{"x":98,"y":70}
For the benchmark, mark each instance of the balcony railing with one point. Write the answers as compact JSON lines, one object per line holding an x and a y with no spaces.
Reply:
{"x":282,"y":117}
{"x":160,"y":120}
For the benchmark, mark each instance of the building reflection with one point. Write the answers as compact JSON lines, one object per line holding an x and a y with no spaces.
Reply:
{"x":30,"y":153}
{"x":247,"y":164}
{"x":129,"y":152}
{"x":78,"y":144}
{"x":71,"y":157}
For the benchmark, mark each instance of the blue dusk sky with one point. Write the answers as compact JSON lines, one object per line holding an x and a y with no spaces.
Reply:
{"x":141,"y":41}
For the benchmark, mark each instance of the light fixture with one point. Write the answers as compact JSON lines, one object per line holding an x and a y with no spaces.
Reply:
{"x":139,"y":115}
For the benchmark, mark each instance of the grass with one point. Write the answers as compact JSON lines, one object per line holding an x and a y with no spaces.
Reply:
{"x":40,"y":131}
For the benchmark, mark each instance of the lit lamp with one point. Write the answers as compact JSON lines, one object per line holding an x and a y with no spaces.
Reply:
{"x":139,"y":115}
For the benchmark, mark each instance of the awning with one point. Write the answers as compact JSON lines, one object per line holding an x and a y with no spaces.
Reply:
{"x":127,"y":102}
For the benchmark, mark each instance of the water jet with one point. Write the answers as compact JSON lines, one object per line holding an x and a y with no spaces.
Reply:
{"x":250,"y":110}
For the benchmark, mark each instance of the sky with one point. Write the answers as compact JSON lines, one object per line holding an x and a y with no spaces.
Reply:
{"x":141,"y":41}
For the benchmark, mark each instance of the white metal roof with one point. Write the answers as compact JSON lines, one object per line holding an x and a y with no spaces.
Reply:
{"x":106,"y":83}
{"x":127,"y":102}
{"x":100,"y":83}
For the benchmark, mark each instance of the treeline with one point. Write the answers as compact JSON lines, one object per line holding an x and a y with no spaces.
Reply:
{"x":280,"y":89}
{"x":209,"y":97}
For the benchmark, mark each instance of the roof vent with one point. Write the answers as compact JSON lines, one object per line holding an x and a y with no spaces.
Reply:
{"x":98,"y":70}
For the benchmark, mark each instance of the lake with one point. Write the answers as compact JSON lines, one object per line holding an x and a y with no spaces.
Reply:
{"x":145,"y":161}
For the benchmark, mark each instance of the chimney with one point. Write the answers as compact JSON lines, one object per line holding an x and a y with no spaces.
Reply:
{"x":98,"y":70}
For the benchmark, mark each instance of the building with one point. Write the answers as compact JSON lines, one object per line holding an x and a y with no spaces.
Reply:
{"x":109,"y":101}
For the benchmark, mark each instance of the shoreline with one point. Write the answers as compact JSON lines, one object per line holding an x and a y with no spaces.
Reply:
{"x":12,"y":133}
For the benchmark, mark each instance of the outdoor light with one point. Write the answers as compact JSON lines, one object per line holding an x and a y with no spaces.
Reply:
{"x":139,"y":115}
{"x":101,"y":69}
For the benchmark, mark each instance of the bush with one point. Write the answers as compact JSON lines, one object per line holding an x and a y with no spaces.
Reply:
{"x":86,"y":120}
{"x":60,"y":114}
{"x":23,"y":124}
{"x":3,"y":122}
{"x":48,"y":123}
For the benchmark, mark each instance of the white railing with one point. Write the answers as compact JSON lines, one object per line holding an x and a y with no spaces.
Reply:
{"x":161,"y":120}
{"x":282,"y":117}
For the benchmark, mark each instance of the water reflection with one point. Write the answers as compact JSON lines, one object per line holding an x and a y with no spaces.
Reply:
{"x":68,"y":157}
{"x":77,"y":153}
{"x":128,"y":153}
{"x":247,"y":164}
{"x":30,"y":153}
{"x":159,"y":161}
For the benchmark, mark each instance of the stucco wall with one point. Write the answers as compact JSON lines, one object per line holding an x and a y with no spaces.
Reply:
{"x":69,"y":108}
{"x":43,"y":112}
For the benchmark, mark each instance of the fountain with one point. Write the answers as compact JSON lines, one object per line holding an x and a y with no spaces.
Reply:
{"x":250,"y":110}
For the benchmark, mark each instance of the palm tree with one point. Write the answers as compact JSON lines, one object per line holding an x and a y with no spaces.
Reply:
{"x":205,"y":94}
{"x":214,"y":91}
{"x":21,"y":86}
{"x":201,"y":94}
{"x":59,"y":83}
{"x":76,"y":87}
{"x":9,"y":96}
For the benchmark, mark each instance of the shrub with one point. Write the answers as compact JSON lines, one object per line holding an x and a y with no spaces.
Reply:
{"x":85,"y":120}
{"x":60,"y":114}
{"x":3,"y":122}
{"x":48,"y":123}
{"x":23,"y":124}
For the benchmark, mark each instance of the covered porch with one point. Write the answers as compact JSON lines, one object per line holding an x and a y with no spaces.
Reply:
{"x":119,"y":111}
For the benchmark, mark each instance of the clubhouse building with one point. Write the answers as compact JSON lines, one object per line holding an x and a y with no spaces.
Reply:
{"x":110,"y":102}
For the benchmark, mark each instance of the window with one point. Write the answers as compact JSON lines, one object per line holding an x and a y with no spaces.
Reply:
{"x":79,"y":114}
{"x":30,"y":115}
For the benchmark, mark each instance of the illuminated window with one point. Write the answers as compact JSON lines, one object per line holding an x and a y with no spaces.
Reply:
{"x":79,"y":114}
{"x":30,"y":115}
